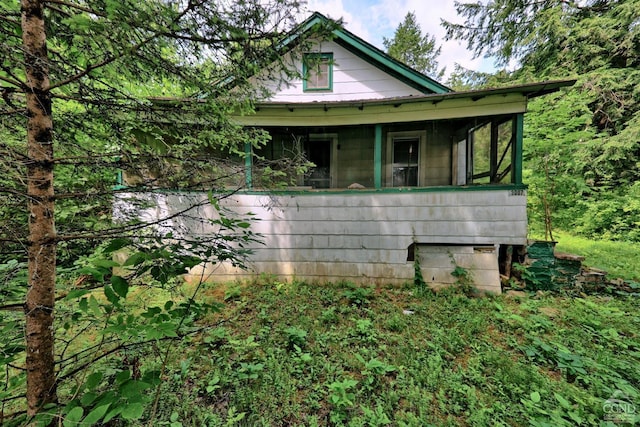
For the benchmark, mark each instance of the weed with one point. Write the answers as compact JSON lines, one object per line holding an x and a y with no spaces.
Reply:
{"x":233,"y":292}
{"x":295,"y":337}
{"x":464,"y":279}
{"x":396,"y":323}
{"x":418,"y":280}
{"x":342,"y":398}
{"x":364,"y":330}
{"x":373,"y":370}
{"x":249,"y":371}
{"x":530,"y":279}
{"x":329,"y":316}
{"x":375,"y":417}
{"x":359,"y":296}
{"x":454,"y":361}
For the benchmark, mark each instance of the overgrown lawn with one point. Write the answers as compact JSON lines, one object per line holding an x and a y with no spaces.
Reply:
{"x":618,"y":259}
{"x":337,"y":354}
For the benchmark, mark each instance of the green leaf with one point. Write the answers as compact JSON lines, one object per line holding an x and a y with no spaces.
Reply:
{"x":135,"y":259}
{"x":563,"y":402}
{"x":94,"y":272}
{"x":123,"y":376}
{"x":120,"y":286}
{"x":105,"y":263}
{"x":95,"y":415}
{"x":535,"y":397}
{"x":78,"y":22}
{"x":132,"y":411}
{"x":117,"y":244}
{"x":76,"y":293}
{"x":88,"y":398}
{"x":73,"y":417}
{"x":112,"y":413}
{"x":93,"y":380}
{"x":95,"y":306}
{"x":111,"y":296}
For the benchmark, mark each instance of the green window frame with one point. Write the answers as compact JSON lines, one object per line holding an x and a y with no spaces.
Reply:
{"x":317,"y":72}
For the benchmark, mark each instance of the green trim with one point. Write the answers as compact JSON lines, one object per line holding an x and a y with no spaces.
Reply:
{"x":381,"y":60}
{"x":516,"y":161}
{"x":248,"y":165}
{"x":377,"y":157}
{"x":391,"y":190}
{"x":317,"y":57}
{"x":369,"y":53}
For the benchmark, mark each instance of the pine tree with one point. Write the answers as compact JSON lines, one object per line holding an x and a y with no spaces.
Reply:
{"x":84,"y":89}
{"x":410,"y":46}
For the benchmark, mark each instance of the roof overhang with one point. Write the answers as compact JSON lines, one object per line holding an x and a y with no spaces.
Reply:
{"x":442,"y":106}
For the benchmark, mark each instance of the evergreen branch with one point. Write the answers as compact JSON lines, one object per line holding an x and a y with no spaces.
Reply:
{"x":75,"y":6}
{"x":121,"y":231}
{"x":140,"y":44}
{"x":9,"y":20}
{"x":12,"y":112}
{"x":115,"y":350}
{"x":100,"y":64}
{"x":20,"y":305}
{"x":16,"y":83}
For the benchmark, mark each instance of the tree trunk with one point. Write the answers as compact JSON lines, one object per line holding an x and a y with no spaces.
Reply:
{"x":39,"y":303}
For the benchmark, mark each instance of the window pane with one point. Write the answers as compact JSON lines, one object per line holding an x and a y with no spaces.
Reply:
{"x":405,"y":162}
{"x":481,"y":154}
{"x":405,"y":151}
{"x":318,"y":72}
{"x":405,"y":176}
{"x":505,"y":145}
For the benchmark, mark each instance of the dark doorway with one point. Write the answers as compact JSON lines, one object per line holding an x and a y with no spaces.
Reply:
{"x":319,"y":153}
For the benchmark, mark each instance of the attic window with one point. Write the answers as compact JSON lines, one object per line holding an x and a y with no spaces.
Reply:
{"x":317,"y":69}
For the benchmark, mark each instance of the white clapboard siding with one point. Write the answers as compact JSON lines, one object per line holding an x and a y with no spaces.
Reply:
{"x":361,"y":236}
{"x":353,"y":79}
{"x":437,"y":262}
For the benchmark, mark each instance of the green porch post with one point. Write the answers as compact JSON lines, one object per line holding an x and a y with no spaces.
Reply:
{"x":518,"y":130}
{"x":377,"y":158}
{"x":248,"y":164}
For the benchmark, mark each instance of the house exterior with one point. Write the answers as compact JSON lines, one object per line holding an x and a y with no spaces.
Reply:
{"x":407,"y":172}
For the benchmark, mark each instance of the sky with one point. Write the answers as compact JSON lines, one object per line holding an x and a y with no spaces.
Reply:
{"x":372,"y":20}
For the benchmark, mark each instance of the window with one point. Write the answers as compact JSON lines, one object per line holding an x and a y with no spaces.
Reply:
{"x":405,"y":161}
{"x":490,"y":152}
{"x":317,"y":71}
{"x":404,"y":164}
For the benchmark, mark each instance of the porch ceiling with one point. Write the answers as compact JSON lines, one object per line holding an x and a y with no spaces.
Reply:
{"x":454,"y":105}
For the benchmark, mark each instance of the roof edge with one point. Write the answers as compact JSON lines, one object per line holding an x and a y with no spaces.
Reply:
{"x":529,"y":90}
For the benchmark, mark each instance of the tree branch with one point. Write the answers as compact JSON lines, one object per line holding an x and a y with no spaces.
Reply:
{"x":16,"y":83}
{"x":77,"y":7}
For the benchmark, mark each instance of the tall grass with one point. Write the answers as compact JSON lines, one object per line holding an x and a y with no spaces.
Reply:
{"x":618,"y":259}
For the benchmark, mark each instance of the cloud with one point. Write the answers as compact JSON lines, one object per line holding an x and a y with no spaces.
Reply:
{"x":373,"y":20}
